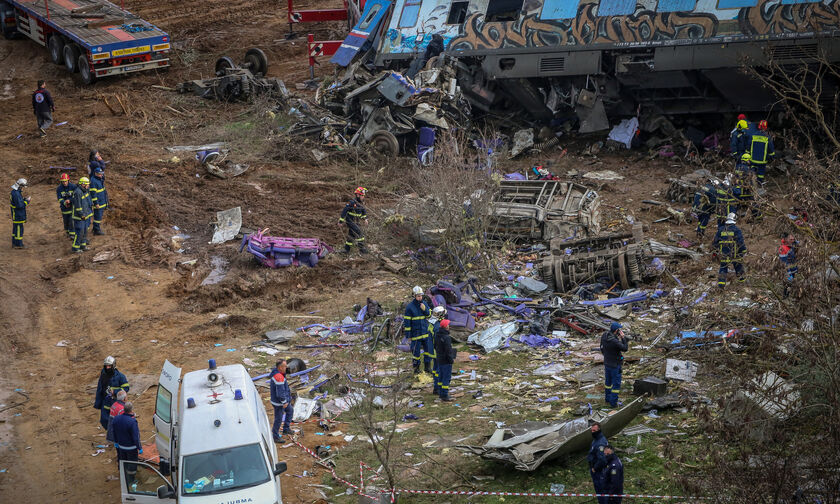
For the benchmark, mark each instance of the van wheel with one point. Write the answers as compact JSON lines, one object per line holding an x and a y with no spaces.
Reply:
{"x":71,"y":57}
{"x":85,"y":72}
{"x":56,"y":48}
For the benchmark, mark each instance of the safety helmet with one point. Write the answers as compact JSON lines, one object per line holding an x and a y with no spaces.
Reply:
{"x":746,"y":157}
{"x":84,"y":180}
{"x":730,"y":219}
{"x":64,"y":177}
{"x":762,"y":125}
{"x":22,"y":182}
{"x":742,"y":125}
{"x":742,"y":117}
{"x":110,"y":360}
{"x":417,"y":290}
{"x":360,"y":191}
{"x":439,"y":311}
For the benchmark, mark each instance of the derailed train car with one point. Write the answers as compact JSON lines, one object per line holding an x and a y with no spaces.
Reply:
{"x":681,"y":56}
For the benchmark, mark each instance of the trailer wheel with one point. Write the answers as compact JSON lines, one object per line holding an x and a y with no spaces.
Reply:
{"x":385,"y":142}
{"x":56,"y":48}
{"x":86,"y":74}
{"x":8,"y":32}
{"x":222,"y":64}
{"x":257,"y":61}
{"x":71,"y":57}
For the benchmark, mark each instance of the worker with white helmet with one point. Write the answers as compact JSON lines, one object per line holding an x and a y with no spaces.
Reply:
{"x":729,"y":249}
{"x":416,"y":325}
{"x":110,"y":382}
{"x":19,"y":204}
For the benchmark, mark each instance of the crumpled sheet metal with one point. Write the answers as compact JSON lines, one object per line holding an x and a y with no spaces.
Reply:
{"x":493,"y":337}
{"x":527,"y":446}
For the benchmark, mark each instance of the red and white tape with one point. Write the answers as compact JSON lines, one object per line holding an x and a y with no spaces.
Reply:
{"x":394,"y":491}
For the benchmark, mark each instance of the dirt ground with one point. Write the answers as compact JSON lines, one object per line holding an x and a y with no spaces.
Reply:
{"x":140,"y":306}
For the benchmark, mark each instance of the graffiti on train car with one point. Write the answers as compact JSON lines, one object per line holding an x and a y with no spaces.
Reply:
{"x":772,"y":17}
{"x":587,"y":28}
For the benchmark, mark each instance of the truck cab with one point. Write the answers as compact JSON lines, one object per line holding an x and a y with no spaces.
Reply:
{"x":214,"y":440}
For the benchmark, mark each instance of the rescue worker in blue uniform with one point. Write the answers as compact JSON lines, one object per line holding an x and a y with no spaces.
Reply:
{"x":99,"y":199}
{"x":725,"y":201}
{"x":127,"y":440}
{"x":416,"y":327}
{"x":613,"y":476}
{"x":743,"y":163}
{"x":438,"y":314}
{"x":110,"y":382}
{"x":730,"y":249}
{"x":613,"y":343}
{"x":597,"y":460}
{"x":744,"y":193}
{"x":82,"y":212}
{"x":95,"y":161}
{"x":354,"y":214}
{"x":446,"y":358}
{"x":761,"y":150}
{"x":18,"y":205}
{"x":281,"y":399}
{"x":43,"y":106}
{"x":739,"y":139}
{"x":64,"y":193}
{"x":787,"y":255}
{"x":705,"y":200}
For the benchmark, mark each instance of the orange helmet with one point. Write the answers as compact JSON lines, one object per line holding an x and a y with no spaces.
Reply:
{"x":64,"y":177}
{"x":360,"y":191}
{"x":762,"y":125}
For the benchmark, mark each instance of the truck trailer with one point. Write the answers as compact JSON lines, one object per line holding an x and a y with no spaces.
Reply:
{"x":93,"y":38}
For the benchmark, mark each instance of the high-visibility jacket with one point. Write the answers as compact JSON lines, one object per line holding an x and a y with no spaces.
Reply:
{"x":82,"y":205}
{"x":761,"y":147}
{"x":98,"y":194}
{"x":18,"y":204}
{"x":416,"y":320}
{"x":64,"y":193}
{"x":353,"y":211}
{"x":729,"y":242}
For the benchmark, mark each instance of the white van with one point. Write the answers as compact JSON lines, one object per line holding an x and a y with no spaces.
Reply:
{"x":215,"y":442}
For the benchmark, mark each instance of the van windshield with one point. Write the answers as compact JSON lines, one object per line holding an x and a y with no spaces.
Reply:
{"x":224,"y":470}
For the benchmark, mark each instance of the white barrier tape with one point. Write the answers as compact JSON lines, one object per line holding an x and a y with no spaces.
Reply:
{"x":396,"y":491}
{"x":540,"y":494}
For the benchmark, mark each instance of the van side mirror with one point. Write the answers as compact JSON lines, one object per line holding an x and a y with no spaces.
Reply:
{"x":279,"y":468}
{"x":165,"y":492}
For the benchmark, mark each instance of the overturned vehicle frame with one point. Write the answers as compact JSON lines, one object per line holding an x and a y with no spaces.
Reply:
{"x":544,"y":210}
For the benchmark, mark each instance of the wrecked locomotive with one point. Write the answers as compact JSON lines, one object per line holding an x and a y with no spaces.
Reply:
{"x":590,"y":58}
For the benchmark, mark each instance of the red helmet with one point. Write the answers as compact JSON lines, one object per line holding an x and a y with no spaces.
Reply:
{"x":360,"y":191}
{"x":762,"y":125}
{"x":64,"y":177}
{"x":742,"y":117}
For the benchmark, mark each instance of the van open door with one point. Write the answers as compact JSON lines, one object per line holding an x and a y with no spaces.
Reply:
{"x":141,"y":483}
{"x":166,"y":413}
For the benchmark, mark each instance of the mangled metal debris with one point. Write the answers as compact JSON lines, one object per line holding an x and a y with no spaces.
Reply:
{"x":237,"y":82}
{"x":623,"y":258}
{"x":227,"y":225}
{"x":527,"y":446}
{"x":544,"y":209}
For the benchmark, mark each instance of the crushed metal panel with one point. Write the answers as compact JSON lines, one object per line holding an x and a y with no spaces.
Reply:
{"x":526,"y":449}
{"x":373,"y":14}
{"x":680,"y":370}
{"x":544,"y":209}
